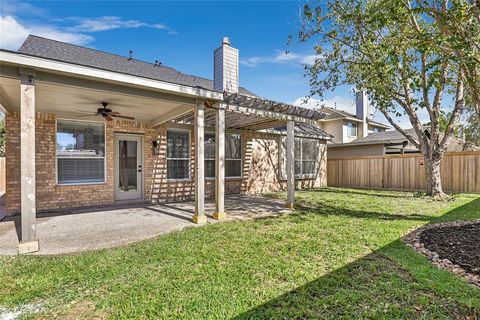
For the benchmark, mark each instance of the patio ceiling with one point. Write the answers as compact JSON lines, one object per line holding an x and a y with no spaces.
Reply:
{"x":76,"y":98}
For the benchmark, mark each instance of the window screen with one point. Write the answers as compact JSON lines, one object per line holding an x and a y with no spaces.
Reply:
{"x":209,"y":155}
{"x":80,"y":152}
{"x":178,"y":154}
{"x":306,"y":157}
{"x":233,"y":155}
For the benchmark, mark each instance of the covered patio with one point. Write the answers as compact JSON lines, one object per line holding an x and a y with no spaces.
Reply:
{"x":76,"y":230}
{"x":38,"y":93}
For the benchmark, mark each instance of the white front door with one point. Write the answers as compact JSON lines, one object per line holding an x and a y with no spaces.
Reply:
{"x":128,"y":167}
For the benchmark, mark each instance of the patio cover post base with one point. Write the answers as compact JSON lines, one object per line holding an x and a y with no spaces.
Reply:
{"x":28,"y":247}
{"x":289,"y":205}
{"x":199,"y":219}
{"x":220,"y":215}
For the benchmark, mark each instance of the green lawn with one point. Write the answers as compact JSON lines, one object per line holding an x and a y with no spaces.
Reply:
{"x":338,"y":256}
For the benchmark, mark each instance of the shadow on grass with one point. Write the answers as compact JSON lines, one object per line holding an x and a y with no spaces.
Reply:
{"x":336,"y":211}
{"x":370,"y":192}
{"x":392,"y":282}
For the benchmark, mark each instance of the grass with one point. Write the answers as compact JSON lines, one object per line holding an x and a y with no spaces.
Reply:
{"x":338,"y":256}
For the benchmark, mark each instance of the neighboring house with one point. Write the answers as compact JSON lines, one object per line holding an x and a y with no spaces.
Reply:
{"x":191,"y":137}
{"x":387,"y":142}
{"x":346,"y":127}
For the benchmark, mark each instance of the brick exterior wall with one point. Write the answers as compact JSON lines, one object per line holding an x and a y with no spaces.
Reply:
{"x":259,"y":155}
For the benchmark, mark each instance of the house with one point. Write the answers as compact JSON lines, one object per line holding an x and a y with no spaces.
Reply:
{"x":89,"y":128}
{"x":385,"y":143}
{"x":346,"y":127}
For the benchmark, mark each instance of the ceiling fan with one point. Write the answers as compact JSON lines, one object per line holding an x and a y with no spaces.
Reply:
{"x":106,"y":113}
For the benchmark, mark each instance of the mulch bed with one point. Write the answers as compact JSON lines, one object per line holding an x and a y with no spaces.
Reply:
{"x":454,"y":246}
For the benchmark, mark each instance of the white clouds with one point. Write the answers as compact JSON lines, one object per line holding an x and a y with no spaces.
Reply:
{"x":106,"y":23}
{"x":280,"y":57}
{"x":16,"y":25}
{"x":12,"y":7}
{"x":14,"y":33}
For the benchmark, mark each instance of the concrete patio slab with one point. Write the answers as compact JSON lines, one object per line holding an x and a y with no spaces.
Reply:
{"x":69,"y":231}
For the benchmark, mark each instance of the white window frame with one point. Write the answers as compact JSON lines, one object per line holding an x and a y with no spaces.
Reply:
{"x":351,"y":125}
{"x":231,"y":159}
{"x":104,"y":156}
{"x":301,"y":176}
{"x":189,"y":178}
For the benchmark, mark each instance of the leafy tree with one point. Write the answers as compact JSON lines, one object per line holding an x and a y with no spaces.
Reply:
{"x":408,"y":56}
{"x":471,"y":127}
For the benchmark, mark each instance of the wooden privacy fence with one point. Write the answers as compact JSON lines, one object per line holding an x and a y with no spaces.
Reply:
{"x":460,"y":172}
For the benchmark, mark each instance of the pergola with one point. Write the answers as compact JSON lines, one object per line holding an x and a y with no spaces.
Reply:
{"x":249,"y":113}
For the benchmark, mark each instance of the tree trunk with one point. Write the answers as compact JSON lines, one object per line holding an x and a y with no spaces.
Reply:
{"x":434,"y":182}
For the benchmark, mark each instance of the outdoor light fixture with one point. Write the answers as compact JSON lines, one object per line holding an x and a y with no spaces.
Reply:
{"x":156,"y":147}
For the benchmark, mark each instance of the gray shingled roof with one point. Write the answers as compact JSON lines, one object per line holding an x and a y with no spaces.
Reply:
{"x":393,"y":136}
{"x":386,"y":136}
{"x":331,"y":113}
{"x":65,"y":52}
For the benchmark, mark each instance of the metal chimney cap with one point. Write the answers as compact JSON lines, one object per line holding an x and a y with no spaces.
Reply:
{"x":226,"y":40}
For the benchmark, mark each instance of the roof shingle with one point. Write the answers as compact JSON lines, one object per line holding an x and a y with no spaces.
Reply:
{"x":65,"y":52}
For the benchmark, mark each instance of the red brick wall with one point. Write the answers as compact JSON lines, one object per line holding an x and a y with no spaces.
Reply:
{"x":260,"y":167}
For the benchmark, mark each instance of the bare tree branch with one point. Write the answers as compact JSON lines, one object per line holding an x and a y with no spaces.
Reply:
{"x":399,"y":129}
{"x":455,"y":115}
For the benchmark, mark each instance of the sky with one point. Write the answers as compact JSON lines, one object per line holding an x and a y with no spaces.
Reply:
{"x":183,"y":35}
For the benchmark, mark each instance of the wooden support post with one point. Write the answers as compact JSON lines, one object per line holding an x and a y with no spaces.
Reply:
{"x":29,"y":241}
{"x":290,"y":150}
{"x":220,"y":164}
{"x":199,"y":216}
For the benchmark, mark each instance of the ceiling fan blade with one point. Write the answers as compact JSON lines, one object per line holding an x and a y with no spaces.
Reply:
{"x":123,"y":117}
{"x":113,"y":113}
{"x":106,"y":116}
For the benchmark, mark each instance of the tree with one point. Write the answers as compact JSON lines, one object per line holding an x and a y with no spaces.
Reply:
{"x":408,"y":55}
{"x":471,"y":127}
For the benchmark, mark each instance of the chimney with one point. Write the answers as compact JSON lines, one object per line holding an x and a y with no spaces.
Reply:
{"x":362,"y":110}
{"x":225,"y":67}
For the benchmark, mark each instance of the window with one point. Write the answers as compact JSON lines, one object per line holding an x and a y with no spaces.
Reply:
{"x":80,"y":152}
{"x":178,"y":154}
{"x":209,"y":155}
{"x":351,"y":129}
{"x":306,"y":157}
{"x":377,"y":129}
{"x":233,"y":155}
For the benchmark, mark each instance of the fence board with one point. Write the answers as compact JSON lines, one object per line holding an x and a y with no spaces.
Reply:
{"x":460,"y":172}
